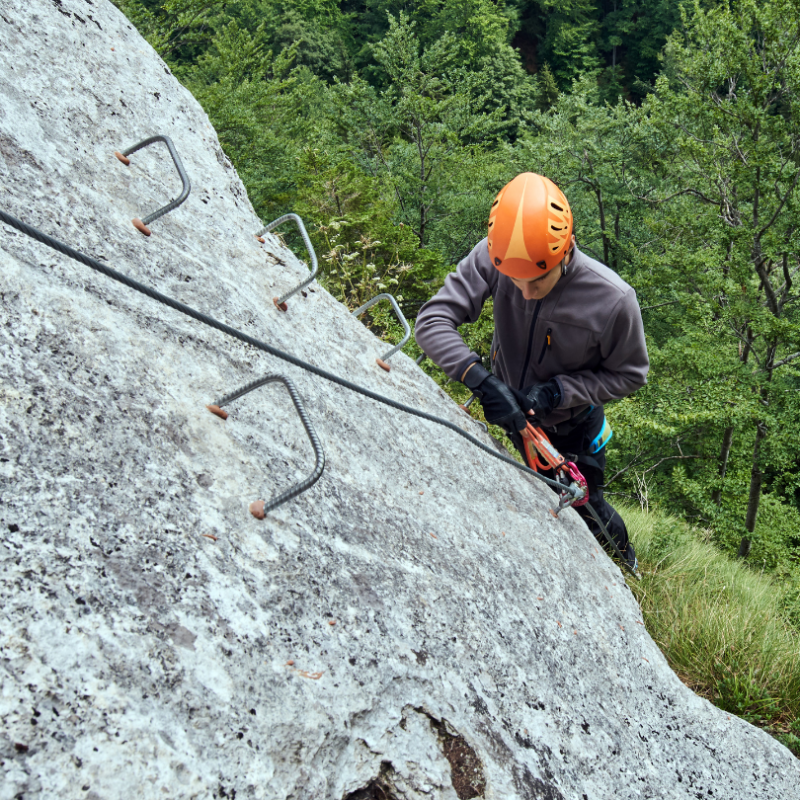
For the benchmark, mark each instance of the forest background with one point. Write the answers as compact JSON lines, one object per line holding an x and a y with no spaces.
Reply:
{"x":672,"y":126}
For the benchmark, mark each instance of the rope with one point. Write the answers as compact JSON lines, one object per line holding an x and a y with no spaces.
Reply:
{"x":148,"y":291}
{"x":610,"y":540}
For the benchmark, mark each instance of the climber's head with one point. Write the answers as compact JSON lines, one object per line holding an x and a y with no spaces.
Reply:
{"x":530,"y":229}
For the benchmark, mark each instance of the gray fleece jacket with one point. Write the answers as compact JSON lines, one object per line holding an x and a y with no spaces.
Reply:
{"x":586,"y":333}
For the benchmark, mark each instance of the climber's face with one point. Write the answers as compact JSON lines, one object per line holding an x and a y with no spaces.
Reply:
{"x":538,"y":288}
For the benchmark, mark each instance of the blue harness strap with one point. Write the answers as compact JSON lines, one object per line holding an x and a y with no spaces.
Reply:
{"x":602,"y":438}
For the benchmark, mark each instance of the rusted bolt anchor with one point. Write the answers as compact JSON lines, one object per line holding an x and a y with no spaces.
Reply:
{"x":141,"y":224}
{"x":381,"y":362}
{"x":280,"y":302}
{"x":260,"y":508}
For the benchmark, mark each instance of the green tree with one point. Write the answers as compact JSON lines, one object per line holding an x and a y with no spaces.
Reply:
{"x":727,"y":124}
{"x":595,"y":154}
{"x":421,"y":134}
{"x":632,"y":36}
{"x":180,"y":30}
{"x":254,"y":101}
{"x":569,"y":45}
{"x":362,"y":250}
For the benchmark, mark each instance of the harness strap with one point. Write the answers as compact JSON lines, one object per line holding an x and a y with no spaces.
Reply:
{"x":602,"y":438}
{"x":597,"y":444}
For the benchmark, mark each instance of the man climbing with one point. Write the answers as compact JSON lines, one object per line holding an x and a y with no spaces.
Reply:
{"x":568,"y":334}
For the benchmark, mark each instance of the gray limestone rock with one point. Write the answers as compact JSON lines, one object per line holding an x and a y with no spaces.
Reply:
{"x":158,"y":641}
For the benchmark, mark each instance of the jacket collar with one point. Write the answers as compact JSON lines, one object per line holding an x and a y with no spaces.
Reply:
{"x":576,"y":263}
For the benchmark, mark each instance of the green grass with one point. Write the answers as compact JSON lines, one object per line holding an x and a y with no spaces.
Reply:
{"x":719,"y":624}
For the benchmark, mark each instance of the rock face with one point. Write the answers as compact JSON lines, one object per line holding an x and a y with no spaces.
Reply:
{"x":416,"y":625}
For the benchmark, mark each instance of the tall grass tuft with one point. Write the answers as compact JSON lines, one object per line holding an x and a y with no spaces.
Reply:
{"x":718,"y":623}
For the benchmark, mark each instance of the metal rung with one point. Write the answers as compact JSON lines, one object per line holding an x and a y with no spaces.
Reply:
{"x":465,"y":407}
{"x":259,"y":508}
{"x":141,"y":224}
{"x":280,"y":302}
{"x":384,"y":296}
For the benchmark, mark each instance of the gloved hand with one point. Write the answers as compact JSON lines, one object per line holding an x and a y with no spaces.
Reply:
{"x":541,"y":398}
{"x":500,"y":407}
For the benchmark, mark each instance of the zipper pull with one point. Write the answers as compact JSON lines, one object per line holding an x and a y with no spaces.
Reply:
{"x":546,"y":346}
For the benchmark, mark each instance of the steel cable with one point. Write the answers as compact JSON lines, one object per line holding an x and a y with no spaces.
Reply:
{"x":148,"y":291}
{"x":610,"y":540}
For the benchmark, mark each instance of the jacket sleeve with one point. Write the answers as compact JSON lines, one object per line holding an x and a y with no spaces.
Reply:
{"x":460,"y":300}
{"x":623,"y":361}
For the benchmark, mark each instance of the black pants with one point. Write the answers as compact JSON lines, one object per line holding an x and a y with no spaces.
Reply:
{"x":573,"y":442}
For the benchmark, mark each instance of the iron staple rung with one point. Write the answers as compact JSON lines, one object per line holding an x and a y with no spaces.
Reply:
{"x":398,"y":313}
{"x":176,"y":159}
{"x":304,"y":235}
{"x":319,"y":454}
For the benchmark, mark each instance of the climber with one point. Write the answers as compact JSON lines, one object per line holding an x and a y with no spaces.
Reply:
{"x":568,"y":334}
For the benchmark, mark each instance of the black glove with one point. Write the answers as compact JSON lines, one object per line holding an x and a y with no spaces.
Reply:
{"x":500,"y":407}
{"x":541,"y":398}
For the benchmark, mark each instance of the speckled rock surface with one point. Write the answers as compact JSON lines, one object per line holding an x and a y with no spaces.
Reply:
{"x":158,"y":641}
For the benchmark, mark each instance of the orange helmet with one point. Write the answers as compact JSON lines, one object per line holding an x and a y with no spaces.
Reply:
{"x":530,"y":227}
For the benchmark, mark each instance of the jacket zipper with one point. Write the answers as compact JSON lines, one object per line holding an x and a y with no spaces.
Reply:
{"x":530,"y":344}
{"x":545,"y":345}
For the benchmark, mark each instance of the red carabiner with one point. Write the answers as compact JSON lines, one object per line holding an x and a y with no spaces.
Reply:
{"x":576,"y":476}
{"x":542,"y":456}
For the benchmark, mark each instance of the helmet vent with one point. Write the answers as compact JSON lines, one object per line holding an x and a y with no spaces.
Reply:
{"x":491,"y":224}
{"x":495,"y":203}
{"x":556,"y":206}
{"x":541,"y":264}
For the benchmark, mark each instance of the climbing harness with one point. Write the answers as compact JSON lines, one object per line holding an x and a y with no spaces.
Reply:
{"x":602,"y":438}
{"x":573,"y":489}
